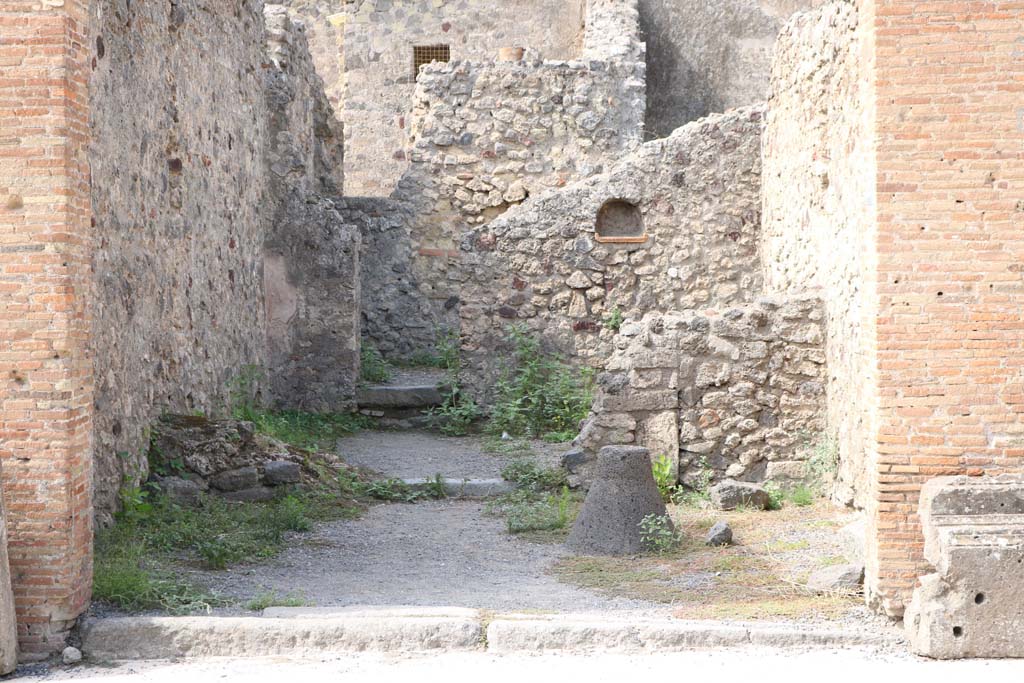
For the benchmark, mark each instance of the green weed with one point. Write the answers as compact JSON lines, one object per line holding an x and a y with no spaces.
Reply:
{"x":538,"y":394}
{"x":659,"y":535}
{"x":614,"y":320}
{"x":373,"y":369}
{"x":665,"y":477}
{"x":527,"y":511}
{"x":530,"y":475}
{"x":270,"y":599}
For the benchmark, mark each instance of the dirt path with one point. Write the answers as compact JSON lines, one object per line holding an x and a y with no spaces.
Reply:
{"x":442,"y":553}
{"x":417,"y":454}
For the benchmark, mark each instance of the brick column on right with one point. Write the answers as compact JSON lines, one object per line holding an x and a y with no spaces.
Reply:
{"x":948,"y":344}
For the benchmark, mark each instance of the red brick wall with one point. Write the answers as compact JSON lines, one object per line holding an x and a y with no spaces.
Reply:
{"x":45,"y":371}
{"x":950,"y":249}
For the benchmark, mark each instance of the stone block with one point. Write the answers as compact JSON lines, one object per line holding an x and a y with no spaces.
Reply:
{"x":974,"y":538}
{"x":622,"y":494}
{"x":659,"y":433}
{"x":646,"y":400}
{"x":841,"y":578}
{"x":282,"y":472}
{"x":8,"y":625}
{"x":731,"y":494}
{"x":236,"y":480}
{"x":720,"y":534}
{"x":182,"y":491}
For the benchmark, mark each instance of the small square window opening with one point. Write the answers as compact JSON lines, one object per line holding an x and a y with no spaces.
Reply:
{"x":425,"y":54}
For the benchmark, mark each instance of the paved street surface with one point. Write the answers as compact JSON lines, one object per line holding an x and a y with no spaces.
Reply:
{"x":748,"y":664}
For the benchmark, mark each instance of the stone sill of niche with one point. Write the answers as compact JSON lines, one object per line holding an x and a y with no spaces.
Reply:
{"x":638,"y":239}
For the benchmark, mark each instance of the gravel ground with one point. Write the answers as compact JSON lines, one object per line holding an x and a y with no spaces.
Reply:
{"x":410,"y":455}
{"x":754,"y":664}
{"x":442,"y":553}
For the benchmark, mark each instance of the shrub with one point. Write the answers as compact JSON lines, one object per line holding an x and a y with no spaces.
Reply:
{"x":664,"y":477}
{"x":538,"y":394}
{"x":372,"y":366}
{"x":530,"y":475}
{"x":525,"y":510}
{"x":456,"y":415}
{"x":802,"y":495}
{"x":658,"y":534}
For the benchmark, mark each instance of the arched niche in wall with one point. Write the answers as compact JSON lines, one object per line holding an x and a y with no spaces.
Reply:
{"x":620,"y":222}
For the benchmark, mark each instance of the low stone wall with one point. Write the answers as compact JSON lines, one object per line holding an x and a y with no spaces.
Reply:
{"x":542,"y":264}
{"x":739,"y":392}
{"x":819,"y":202}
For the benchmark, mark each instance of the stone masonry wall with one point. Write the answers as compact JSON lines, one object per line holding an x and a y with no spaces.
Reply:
{"x":46,"y":371}
{"x":817,"y":204}
{"x":485,"y":136}
{"x":737,"y":391}
{"x":542,"y":265}
{"x":708,"y":56}
{"x":378,"y":80}
{"x":178,"y":123}
{"x":311,"y":270}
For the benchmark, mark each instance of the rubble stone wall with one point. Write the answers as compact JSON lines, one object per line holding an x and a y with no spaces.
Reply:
{"x":178,"y":122}
{"x":541,"y":264}
{"x":736,"y":392}
{"x":364,"y":50}
{"x":485,"y":136}
{"x":311,"y":270}
{"x":818,"y":204}
{"x":707,"y":57}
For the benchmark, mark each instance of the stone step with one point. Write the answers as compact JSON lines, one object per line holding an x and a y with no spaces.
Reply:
{"x":388,"y":398}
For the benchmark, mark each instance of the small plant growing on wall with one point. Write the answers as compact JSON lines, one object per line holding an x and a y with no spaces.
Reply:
{"x":614,"y":320}
{"x":664,"y":477}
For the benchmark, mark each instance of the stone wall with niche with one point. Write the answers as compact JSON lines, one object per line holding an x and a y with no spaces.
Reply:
{"x":485,"y":136}
{"x":542,"y":265}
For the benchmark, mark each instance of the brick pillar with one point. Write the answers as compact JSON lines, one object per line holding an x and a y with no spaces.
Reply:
{"x":45,"y":371}
{"x":949,"y":307}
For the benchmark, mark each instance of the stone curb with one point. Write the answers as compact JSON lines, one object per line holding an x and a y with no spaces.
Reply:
{"x":508,"y":635}
{"x":178,"y":637}
{"x":465,"y":488}
{"x":320,"y":631}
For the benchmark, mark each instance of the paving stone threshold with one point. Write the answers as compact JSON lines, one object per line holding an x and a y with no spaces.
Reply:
{"x":320,"y":631}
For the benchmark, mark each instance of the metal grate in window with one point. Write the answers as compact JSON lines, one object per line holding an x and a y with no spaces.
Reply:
{"x":425,"y":54}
